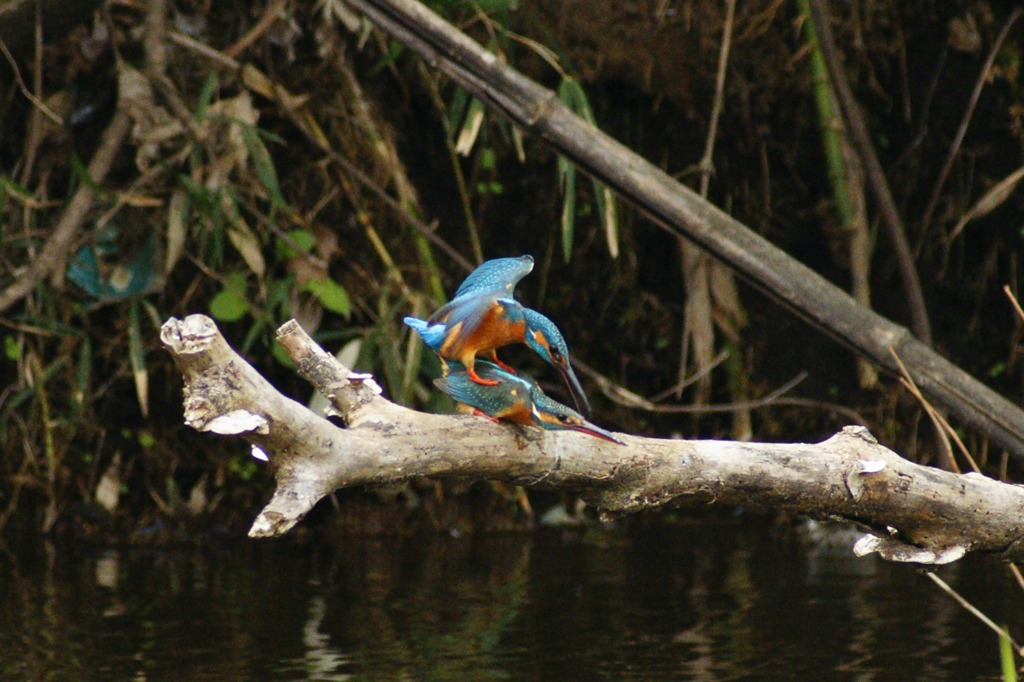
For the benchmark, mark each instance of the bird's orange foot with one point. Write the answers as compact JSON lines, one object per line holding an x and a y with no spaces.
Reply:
{"x":477,"y":379}
{"x":499,"y":363}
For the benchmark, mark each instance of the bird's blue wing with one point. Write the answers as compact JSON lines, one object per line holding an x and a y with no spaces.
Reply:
{"x":460,"y":388}
{"x":498,"y":277}
{"x":488,"y":399}
{"x":464,"y":315}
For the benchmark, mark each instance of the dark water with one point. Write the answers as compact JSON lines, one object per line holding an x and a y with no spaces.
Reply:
{"x":709,"y":602}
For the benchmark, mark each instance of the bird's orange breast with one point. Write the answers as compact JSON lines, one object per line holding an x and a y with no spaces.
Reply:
{"x":494,"y":331}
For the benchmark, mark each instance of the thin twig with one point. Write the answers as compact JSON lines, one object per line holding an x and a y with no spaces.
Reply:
{"x":910,"y":385}
{"x":877,"y":181}
{"x":677,"y":388}
{"x":453,"y":159}
{"x":707,"y":167}
{"x":1014,"y":301}
{"x":621,"y":395}
{"x":40,"y":104}
{"x":265,"y":23}
{"x":954,"y":149}
{"x":973,"y":610}
{"x":375,"y":189}
{"x":835,"y":408}
{"x":1015,"y":572}
{"x":36,"y":131}
{"x":154,"y":41}
{"x":190,"y":43}
{"x":942,"y":425}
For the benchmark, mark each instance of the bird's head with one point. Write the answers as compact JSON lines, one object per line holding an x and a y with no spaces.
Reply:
{"x":544,"y":338}
{"x":554,"y":416}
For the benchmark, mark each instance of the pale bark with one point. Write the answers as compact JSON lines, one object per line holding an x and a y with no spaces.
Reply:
{"x":916,"y":513}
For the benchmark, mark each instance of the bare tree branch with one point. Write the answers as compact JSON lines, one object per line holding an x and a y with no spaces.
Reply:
{"x":915,"y":513}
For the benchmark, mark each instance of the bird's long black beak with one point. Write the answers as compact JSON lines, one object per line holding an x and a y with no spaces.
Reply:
{"x":592,"y":430}
{"x":573,"y":384}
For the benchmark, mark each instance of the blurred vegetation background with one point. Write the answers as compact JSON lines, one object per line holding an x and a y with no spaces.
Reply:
{"x":284,"y":159}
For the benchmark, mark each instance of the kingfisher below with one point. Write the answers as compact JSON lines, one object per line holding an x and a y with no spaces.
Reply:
{"x":514,"y":398}
{"x":483,"y":317}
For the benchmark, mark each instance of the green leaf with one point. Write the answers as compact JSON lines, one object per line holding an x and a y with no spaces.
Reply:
{"x":236,"y":281}
{"x":607,"y":207}
{"x":470,"y":129}
{"x":488,"y":159}
{"x":395,"y":49}
{"x":1006,"y":657}
{"x":572,"y":94}
{"x":81,"y":174}
{"x":137,"y":355}
{"x":11,"y":349}
{"x":567,"y":181}
{"x":229,"y":305}
{"x":206,"y":96}
{"x":278,"y":294}
{"x":299,"y":242}
{"x":575,"y":97}
{"x":84,"y":373}
{"x":9,"y":186}
{"x":457,"y":110}
{"x":331,"y":295}
{"x":264,"y":165}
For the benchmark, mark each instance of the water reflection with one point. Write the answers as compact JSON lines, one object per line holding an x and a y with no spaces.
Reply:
{"x":708,"y":602}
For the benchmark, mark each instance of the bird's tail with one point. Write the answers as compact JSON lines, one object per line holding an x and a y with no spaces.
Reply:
{"x":432,"y":334}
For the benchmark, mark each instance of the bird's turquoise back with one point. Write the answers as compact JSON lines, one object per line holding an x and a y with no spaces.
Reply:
{"x":511,"y":397}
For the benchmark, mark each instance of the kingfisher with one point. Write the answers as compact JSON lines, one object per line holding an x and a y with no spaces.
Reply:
{"x":483,"y":317}
{"x":515,"y":398}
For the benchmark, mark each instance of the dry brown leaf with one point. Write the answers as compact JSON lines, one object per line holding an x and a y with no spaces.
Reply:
{"x":108,"y":490}
{"x":177,"y":231}
{"x":991,"y":201}
{"x":262,"y":85}
{"x":248,"y":245}
{"x":152,"y":124}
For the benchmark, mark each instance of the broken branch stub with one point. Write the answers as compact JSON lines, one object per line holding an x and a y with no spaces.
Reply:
{"x":917,"y":513}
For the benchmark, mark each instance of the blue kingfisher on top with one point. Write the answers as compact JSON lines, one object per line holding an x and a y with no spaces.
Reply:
{"x":483,"y":317}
